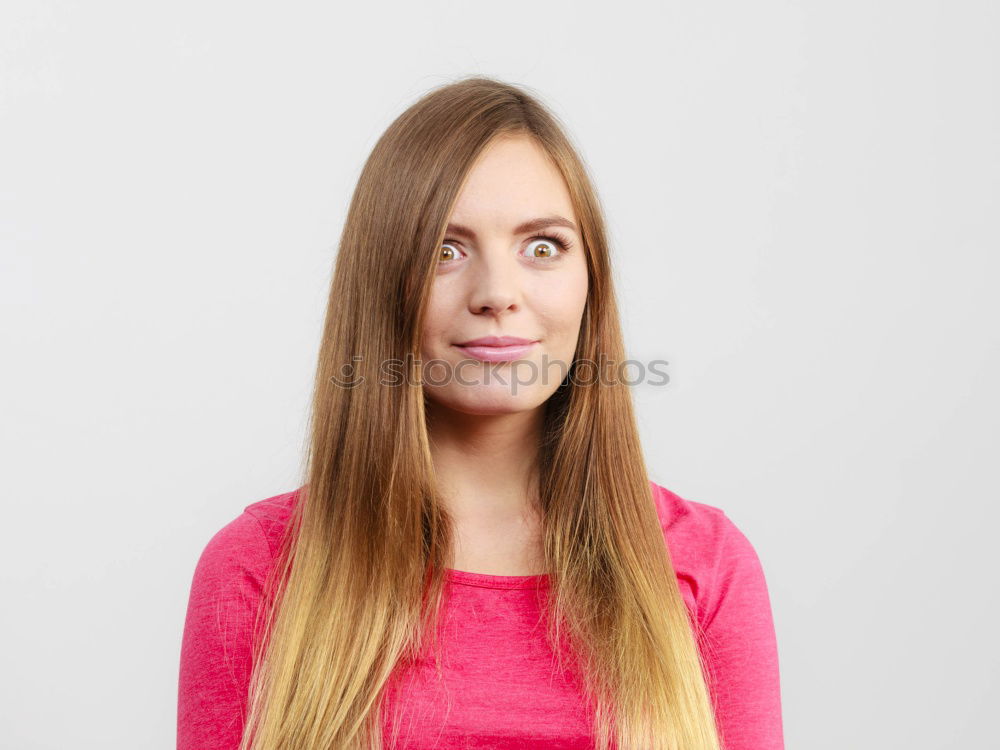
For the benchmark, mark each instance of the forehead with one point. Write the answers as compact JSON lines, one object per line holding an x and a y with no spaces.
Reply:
{"x":514,"y":179}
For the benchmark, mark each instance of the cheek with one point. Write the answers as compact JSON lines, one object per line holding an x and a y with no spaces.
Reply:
{"x":437,"y":318}
{"x":561,"y":302}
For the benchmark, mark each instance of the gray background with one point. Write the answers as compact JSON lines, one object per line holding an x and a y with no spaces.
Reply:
{"x":802,"y":200}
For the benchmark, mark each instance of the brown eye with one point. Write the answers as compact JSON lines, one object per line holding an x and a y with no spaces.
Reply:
{"x":448,"y":252}
{"x":544,"y":248}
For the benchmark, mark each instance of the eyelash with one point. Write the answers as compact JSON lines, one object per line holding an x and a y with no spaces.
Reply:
{"x":561,"y":241}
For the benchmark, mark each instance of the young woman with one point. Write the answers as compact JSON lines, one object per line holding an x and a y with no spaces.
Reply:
{"x":477,"y":557}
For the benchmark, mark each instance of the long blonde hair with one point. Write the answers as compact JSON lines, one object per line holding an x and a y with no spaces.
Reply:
{"x":358,"y":580}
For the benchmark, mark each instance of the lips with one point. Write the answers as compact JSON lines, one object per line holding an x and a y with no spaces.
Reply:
{"x":497,"y":341}
{"x":497,"y":348}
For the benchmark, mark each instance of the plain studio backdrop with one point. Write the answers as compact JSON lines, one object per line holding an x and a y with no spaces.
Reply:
{"x":802,"y":202}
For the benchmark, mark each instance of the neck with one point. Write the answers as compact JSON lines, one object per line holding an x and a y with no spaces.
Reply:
{"x":485,"y":465}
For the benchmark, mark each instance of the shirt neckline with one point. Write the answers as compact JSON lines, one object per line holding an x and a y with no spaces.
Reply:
{"x":490,"y":581}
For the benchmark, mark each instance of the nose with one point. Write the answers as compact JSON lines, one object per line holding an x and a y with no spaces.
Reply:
{"x":495,"y":284}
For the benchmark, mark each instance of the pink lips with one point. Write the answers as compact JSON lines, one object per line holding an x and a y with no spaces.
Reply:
{"x":497,"y":348}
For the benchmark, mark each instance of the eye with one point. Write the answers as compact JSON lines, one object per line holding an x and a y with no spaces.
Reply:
{"x":542,"y":248}
{"x":548,"y":247}
{"x":449,"y":251}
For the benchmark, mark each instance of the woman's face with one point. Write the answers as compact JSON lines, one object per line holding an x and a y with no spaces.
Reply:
{"x":501,"y":273}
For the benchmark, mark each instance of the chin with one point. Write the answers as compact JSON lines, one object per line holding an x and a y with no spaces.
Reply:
{"x":484,"y":403}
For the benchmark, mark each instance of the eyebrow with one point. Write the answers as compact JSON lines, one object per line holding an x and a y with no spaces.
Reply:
{"x":532,"y":225}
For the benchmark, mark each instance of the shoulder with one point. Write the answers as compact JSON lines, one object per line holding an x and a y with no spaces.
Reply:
{"x":707,"y":549}
{"x":227,"y":589}
{"x":248,"y":543}
{"x":271,"y":516}
{"x":694,"y":530}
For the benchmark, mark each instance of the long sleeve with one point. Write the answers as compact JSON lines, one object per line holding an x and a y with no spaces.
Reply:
{"x":742,"y":647}
{"x":215,"y":658}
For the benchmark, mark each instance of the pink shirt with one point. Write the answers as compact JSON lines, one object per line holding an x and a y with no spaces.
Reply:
{"x":499,"y":688}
